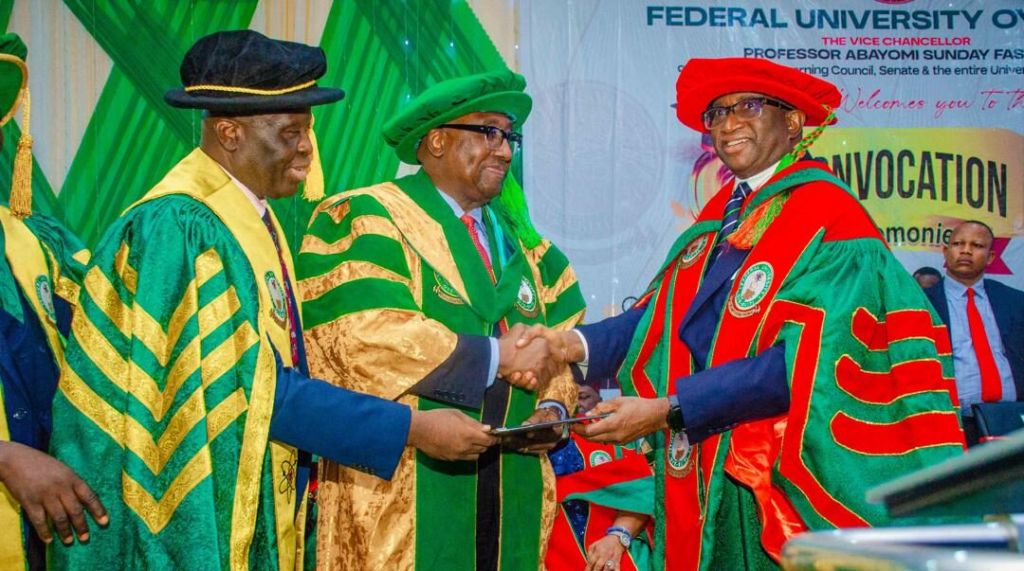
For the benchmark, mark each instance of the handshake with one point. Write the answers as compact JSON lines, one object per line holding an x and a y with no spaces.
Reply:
{"x":530,"y":356}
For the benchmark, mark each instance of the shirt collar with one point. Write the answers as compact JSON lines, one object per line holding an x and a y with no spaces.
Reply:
{"x":476,"y":213}
{"x":260,"y":204}
{"x":956,"y":289}
{"x":756,"y":181}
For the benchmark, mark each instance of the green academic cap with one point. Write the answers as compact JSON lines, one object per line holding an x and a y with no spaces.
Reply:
{"x":490,"y":92}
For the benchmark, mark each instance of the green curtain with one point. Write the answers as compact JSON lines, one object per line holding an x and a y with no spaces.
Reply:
{"x":380,"y":53}
{"x":43,"y":198}
{"x":133,"y":137}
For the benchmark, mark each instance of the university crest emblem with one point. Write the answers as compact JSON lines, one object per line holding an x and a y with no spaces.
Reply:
{"x":526,"y":299}
{"x":44,"y":292}
{"x":753,"y":287}
{"x":598,"y":457}
{"x":693,"y":251}
{"x":678,"y":455}
{"x":279,"y":308}
{"x":444,"y":290}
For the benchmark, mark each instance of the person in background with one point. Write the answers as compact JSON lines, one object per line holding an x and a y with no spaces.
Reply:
{"x":605,"y":497}
{"x":588,"y":398}
{"x":927,"y":276}
{"x":985,"y":320}
{"x":40,"y":275}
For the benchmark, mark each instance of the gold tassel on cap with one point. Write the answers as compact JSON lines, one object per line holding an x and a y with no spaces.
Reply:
{"x":314,"y":189}
{"x":21,"y":181}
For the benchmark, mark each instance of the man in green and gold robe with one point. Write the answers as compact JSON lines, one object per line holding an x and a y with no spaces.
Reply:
{"x":406,"y":285}
{"x":185,"y":397}
{"x":40,"y":273}
{"x":782,"y":360}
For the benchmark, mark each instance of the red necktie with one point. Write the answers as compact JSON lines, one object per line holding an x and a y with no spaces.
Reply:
{"x":470,"y":223}
{"x":991,"y":384}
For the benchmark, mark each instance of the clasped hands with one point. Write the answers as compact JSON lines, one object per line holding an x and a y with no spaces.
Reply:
{"x":530,"y":356}
{"x":633,"y":417}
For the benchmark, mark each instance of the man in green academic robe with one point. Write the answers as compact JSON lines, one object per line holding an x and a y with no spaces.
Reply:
{"x":414,"y":290}
{"x":185,"y":398}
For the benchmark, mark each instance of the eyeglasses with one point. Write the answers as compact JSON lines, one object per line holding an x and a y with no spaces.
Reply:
{"x":744,"y":109}
{"x":495,"y":135}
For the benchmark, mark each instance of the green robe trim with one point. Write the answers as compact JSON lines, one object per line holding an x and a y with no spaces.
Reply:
{"x":423,"y":264}
{"x":166,"y":397}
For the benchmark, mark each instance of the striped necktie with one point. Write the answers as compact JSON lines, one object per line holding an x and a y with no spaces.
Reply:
{"x":292,"y":310}
{"x":731,"y":217}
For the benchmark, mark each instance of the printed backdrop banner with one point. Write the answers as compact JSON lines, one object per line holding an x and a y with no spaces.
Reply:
{"x":929,"y":133}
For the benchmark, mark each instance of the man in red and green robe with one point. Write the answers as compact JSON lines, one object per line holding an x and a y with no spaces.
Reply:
{"x":783,"y":360}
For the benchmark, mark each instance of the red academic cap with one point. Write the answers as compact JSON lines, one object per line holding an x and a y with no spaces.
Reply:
{"x":703,"y":80}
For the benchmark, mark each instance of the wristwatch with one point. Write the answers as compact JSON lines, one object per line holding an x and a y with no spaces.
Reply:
{"x":625,"y":538}
{"x":674,"y":418}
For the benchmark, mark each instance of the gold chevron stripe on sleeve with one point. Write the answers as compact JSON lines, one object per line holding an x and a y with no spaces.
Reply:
{"x":217,"y":312}
{"x":225,"y":356}
{"x":225,"y":413}
{"x":156,"y":514}
{"x":149,"y":331}
{"x":316,"y":286}
{"x":208,"y":265}
{"x":129,"y":276}
{"x":191,"y":414}
{"x":103,"y":294}
{"x":564,"y":282}
{"x":179,"y":319}
{"x":86,"y":401}
{"x":367,"y":224}
{"x":571,"y":322}
{"x":187,"y":363}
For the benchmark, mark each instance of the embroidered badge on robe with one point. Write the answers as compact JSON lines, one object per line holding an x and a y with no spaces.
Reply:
{"x":44,"y":291}
{"x":752,"y":289}
{"x":444,"y":290}
{"x":678,"y":455}
{"x":526,"y":299}
{"x":279,"y":307}
{"x":693,"y":251}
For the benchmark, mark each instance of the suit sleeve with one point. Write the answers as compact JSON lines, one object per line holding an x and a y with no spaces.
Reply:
{"x":717,"y":399}
{"x":608,"y":342}
{"x":346,"y":427}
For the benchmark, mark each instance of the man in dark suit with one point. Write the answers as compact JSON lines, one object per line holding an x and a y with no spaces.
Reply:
{"x":989,"y":362}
